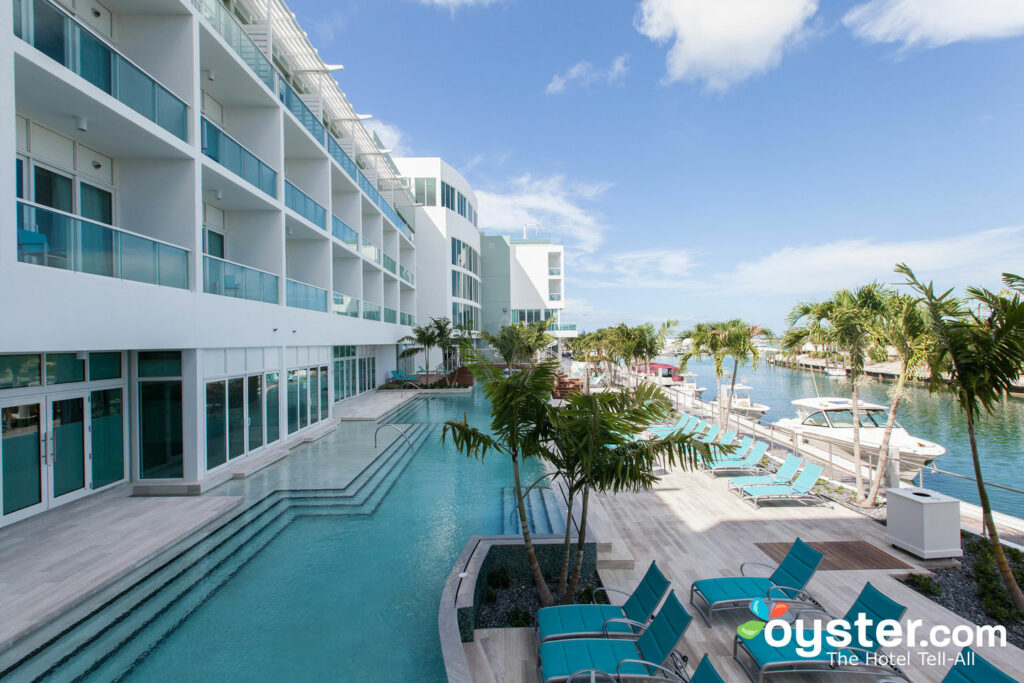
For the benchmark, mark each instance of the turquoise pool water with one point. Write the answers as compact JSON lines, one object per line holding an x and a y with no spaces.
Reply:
{"x":933,"y":417}
{"x":317,"y":594}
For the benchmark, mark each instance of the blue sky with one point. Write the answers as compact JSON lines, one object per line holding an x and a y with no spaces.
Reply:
{"x":705,"y":159}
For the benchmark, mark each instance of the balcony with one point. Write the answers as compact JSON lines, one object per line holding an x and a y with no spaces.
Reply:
{"x":344,"y":233}
{"x":242,"y":282}
{"x":562,"y":327}
{"x":225,"y":24}
{"x":296,"y":106}
{"x":371,"y":252}
{"x":371,"y":311}
{"x":300,"y":295}
{"x":48,"y":29}
{"x":390,"y":315}
{"x":404,"y":273}
{"x":554,"y":296}
{"x":346,"y":305}
{"x":302,"y":204}
{"x":342,"y":157}
{"x":554,"y":272}
{"x":223,"y":149}
{"x":389,"y":263}
{"x":406,"y":319}
{"x":55,"y":239}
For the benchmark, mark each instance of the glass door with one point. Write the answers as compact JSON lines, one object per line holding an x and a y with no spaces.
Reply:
{"x":22,"y":466}
{"x":67,"y":448}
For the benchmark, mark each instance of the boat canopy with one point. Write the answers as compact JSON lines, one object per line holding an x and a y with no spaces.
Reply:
{"x":832,"y":403}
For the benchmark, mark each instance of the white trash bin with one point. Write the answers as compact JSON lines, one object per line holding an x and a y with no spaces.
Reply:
{"x":923,"y":522}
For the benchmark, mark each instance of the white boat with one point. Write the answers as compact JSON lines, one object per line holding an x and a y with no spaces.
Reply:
{"x":741,"y":403}
{"x":832,"y":419}
{"x":835,"y":371}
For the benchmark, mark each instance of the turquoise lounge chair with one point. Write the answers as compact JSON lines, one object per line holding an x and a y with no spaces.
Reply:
{"x":751,"y":462}
{"x":860,"y":658}
{"x":799,"y":491}
{"x":605,"y":621}
{"x":976,"y":671}
{"x":681,"y":424}
{"x":783,"y":475}
{"x":705,"y":672}
{"x":622,"y":659}
{"x":787,"y":582}
{"x":400,"y":376}
{"x":739,"y":452}
{"x":711,"y":434}
{"x":727,"y":438}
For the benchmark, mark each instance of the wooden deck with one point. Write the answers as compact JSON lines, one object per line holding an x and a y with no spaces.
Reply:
{"x":841,"y":555}
{"x":696,"y":529}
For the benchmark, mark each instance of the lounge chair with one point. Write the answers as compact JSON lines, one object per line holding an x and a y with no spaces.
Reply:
{"x":711,"y":434}
{"x":751,"y":462}
{"x":605,"y":621}
{"x":664,"y":430}
{"x":739,"y":452}
{"x":861,"y":658}
{"x":972,"y":668}
{"x":400,"y":376}
{"x":799,"y":491}
{"x":622,"y":659}
{"x":705,"y":672}
{"x":783,"y":475}
{"x":787,"y":582}
{"x":727,"y":438}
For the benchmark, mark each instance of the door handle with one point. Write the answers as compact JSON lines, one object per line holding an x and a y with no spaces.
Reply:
{"x":43,"y":449}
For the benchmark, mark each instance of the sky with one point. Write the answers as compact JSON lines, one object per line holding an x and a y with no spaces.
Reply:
{"x":710,"y":159}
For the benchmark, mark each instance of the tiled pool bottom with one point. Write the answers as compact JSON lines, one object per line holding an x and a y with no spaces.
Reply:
{"x":316,"y":585}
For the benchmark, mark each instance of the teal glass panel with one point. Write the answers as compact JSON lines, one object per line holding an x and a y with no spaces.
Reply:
{"x":95,"y":61}
{"x":314,"y":396}
{"x":96,"y":203}
{"x":173,"y":266}
{"x":68,"y":424}
{"x":19,"y":449}
{"x":273,"y":407}
{"x":171,"y":113}
{"x":214,"y":244}
{"x":236,"y":417}
{"x":160,"y":430}
{"x":293,"y":401}
{"x":160,"y":364}
{"x":216,"y":420}
{"x":104,"y":365}
{"x":107,"y":407}
{"x":19,"y":28}
{"x":138,"y":259}
{"x":135,"y":88}
{"x":350,"y":377}
{"x":324,"y":393}
{"x":20,"y":370}
{"x":62,"y":368}
{"x":50,"y":32}
{"x":98,"y":250}
{"x":303,"y":390}
{"x":254,"y":397}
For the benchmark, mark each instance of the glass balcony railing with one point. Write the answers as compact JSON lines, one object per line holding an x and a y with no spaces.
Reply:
{"x":344,"y":233}
{"x":562,"y":327}
{"x":300,"y":295}
{"x":302,"y":204}
{"x":404,"y":273}
{"x":342,"y":157}
{"x":296,"y":106}
{"x":48,"y":29}
{"x":389,"y":263}
{"x":407,"y":319}
{"x":553,"y":296}
{"x":554,"y":271}
{"x":371,"y":311}
{"x":223,"y":149}
{"x":233,"y":279}
{"x":371,"y":252}
{"x":346,"y":305}
{"x":55,"y":239}
{"x":234,"y":35}
{"x":390,"y":315}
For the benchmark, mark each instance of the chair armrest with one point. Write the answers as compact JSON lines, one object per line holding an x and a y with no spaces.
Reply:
{"x":623,"y":620}
{"x":612,"y":590}
{"x":672,"y":675}
{"x":812,"y":610}
{"x":757,"y":564}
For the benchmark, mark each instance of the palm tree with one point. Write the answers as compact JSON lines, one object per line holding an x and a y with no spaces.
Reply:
{"x":519,"y":343}
{"x":706,"y":339}
{"x":739,"y":343}
{"x":423,"y":338}
{"x":596,"y":449}
{"x":977,"y":355}
{"x":519,"y":429}
{"x":447,"y":339}
{"x":902,"y":326}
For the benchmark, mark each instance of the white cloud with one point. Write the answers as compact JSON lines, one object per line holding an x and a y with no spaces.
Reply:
{"x":722,"y":42}
{"x":586,"y":74}
{"x":553,"y":202}
{"x":455,"y":4}
{"x":392,"y":136}
{"x":934,"y":23}
{"x":655,"y":268}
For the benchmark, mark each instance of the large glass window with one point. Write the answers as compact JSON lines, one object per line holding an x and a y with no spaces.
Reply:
{"x":97,"y":204}
{"x":273,"y":408}
{"x":254,"y":396}
{"x":236,"y":417}
{"x":20,"y":370}
{"x":160,"y":430}
{"x":216,"y":419}
{"x":303,"y":398}
{"x":53,"y":189}
{"x":105,"y":365}
{"x":159,"y":364}
{"x":22,"y":480}
{"x":314,"y":396}
{"x":62,"y":368}
{"x":293,"y":401}
{"x":426,"y":191}
{"x":107,"y":406}
{"x":324,"y":394}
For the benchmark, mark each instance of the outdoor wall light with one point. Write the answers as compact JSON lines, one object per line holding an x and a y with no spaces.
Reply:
{"x":218,"y":194}
{"x":81,"y":123}
{"x":209,"y":75}
{"x":97,"y":165}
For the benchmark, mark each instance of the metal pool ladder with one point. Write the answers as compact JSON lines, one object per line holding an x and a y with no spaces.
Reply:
{"x":400,"y":432}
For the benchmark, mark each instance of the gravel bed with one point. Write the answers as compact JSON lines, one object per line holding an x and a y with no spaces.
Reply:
{"x":523,"y":595}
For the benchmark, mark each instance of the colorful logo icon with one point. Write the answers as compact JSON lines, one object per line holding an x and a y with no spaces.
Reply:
{"x":764,"y":612}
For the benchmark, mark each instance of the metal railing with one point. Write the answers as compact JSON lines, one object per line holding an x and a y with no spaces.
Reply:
{"x":302,"y":295}
{"x":406,"y":319}
{"x":343,"y":232}
{"x":56,"y":239}
{"x":554,"y":271}
{"x":304,"y":205}
{"x":554,"y":296}
{"x":229,"y":153}
{"x":293,"y":103}
{"x":225,"y":24}
{"x":227,"y":278}
{"x":370,"y":251}
{"x":46,"y":27}
{"x":388,"y":263}
{"x":390,"y":315}
{"x":404,"y":273}
{"x":371,"y":311}
{"x":344,"y":304}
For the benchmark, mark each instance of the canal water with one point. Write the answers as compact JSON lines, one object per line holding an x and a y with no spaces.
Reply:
{"x":925,"y":415}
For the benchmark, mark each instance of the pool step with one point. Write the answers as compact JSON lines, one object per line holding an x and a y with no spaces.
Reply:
{"x":105,"y":643}
{"x":542,"y":513}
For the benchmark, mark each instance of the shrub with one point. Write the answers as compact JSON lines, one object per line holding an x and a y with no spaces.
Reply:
{"x":490,"y":597}
{"x":994,"y":598}
{"x":517,"y":618}
{"x":585,"y":596}
{"x":499,"y":578}
{"x":924,"y":584}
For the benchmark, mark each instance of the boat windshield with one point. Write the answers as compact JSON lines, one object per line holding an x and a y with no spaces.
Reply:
{"x":868,"y":418}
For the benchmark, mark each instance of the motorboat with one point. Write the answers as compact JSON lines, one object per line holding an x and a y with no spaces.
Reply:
{"x":669,"y":375}
{"x":828,"y":421}
{"x":741,"y":403}
{"x":836,"y":371}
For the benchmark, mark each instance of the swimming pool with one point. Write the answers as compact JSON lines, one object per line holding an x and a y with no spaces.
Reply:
{"x":311,"y":584}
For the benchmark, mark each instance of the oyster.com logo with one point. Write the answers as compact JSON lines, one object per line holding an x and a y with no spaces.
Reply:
{"x":765,"y":613}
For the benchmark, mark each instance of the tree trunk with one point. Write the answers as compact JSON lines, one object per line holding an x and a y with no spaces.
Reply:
{"x":858,"y":476}
{"x":426,"y":361}
{"x":718,"y":384}
{"x":883,"y":449}
{"x":732,"y":388}
{"x":538,"y":576}
{"x":563,"y":577}
{"x":1016,"y":595}
{"x":570,"y":591}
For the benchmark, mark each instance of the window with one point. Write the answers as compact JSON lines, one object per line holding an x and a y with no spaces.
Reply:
{"x":96,"y":204}
{"x":465,"y":256}
{"x":20,"y":370}
{"x":254,"y":395}
{"x":214,"y":244}
{"x":816,"y":420}
{"x":160,"y":430}
{"x":236,"y":417}
{"x":465,"y":286}
{"x":104,"y":365}
{"x":107,"y":406}
{"x":273,"y":408}
{"x":62,"y":368}
{"x":426,"y":191}
{"x":216,"y":424}
{"x":447,"y":196}
{"x":466,"y":315}
{"x":461,"y":205}
{"x":159,"y":364}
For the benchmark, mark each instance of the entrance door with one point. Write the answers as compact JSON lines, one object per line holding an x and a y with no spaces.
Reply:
{"x":22,"y":465}
{"x":67,"y":447}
